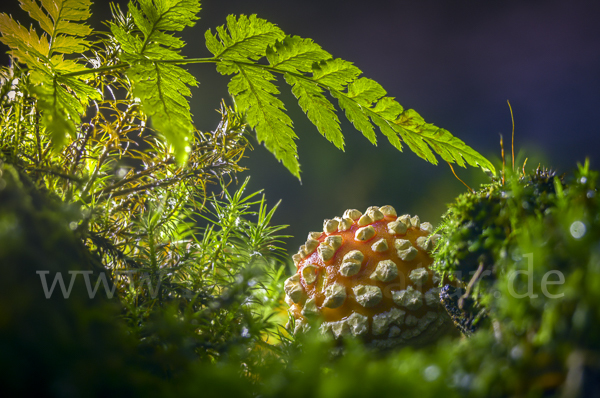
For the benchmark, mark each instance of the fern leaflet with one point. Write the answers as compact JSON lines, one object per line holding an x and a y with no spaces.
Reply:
{"x":61,"y":108}
{"x":250,"y":48}
{"x":309,"y":70}
{"x":318,"y":108}
{"x":161,"y":87}
{"x":247,"y":39}
{"x":295,"y":54}
{"x":255,"y":96}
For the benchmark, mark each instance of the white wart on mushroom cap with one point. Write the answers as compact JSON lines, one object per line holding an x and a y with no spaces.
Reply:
{"x":367,"y":274}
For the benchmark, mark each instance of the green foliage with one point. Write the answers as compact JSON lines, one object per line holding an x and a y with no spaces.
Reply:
{"x":310,"y":70}
{"x":181,"y":293}
{"x":210,"y":278}
{"x":536,"y":240}
{"x":62,"y":99}
{"x":480,"y":227}
{"x":44,"y":341}
{"x":160,"y":87}
{"x":197,"y":267}
{"x":479,"y":230}
{"x":142,"y":49}
{"x":184,"y":291}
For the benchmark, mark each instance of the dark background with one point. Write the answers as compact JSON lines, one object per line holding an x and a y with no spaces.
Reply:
{"x":455,"y":62}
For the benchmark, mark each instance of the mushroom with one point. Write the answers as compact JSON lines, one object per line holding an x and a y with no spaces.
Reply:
{"x":367,"y":275}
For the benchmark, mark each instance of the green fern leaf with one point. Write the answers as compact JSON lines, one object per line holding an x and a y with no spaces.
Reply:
{"x":318,"y":108}
{"x":247,"y":39}
{"x":36,"y":12}
{"x":295,"y":54}
{"x":157,"y":16}
{"x":449,"y":147}
{"x":356,"y":116}
{"x":335,"y":73}
{"x":161,"y":87}
{"x":255,"y":97}
{"x":61,"y":108}
{"x":361,"y":94}
{"x":365,"y":91}
{"x":388,"y":109}
{"x":131,"y":45}
{"x":61,"y":112}
{"x":244,"y":38}
{"x":66,"y":36}
{"x":365,"y":104}
{"x":25,"y":45}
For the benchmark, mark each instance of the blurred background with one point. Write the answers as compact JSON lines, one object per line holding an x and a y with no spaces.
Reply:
{"x":454,"y":62}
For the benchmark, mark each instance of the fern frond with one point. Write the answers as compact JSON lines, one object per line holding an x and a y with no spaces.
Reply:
{"x":61,"y":108}
{"x":386,"y":109}
{"x":62,"y":35}
{"x":247,"y":39}
{"x":335,"y":73}
{"x":309,"y":70}
{"x":244,"y":38}
{"x":255,"y":96}
{"x":365,"y":103}
{"x":25,"y":45}
{"x":295,"y":54}
{"x":365,"y":99}
{"x":161,"y":87}
{"x":36,"y":12}
{"x":43,"y":54}
{"x":449,"y":147}
{"x":320,"y":110}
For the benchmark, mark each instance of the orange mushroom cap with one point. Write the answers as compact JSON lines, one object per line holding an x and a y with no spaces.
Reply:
{"x":368,"y":275}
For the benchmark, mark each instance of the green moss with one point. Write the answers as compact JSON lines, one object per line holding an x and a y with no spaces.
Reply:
{"x":537,"y":238}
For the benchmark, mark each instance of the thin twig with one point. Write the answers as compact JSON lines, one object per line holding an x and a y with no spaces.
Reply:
{"x":513,"y":135}
{"x":503,"y":159}
{"x":81,"y":149}
{"x":130,"y":179}
{"x":37,"y":136}
{"x":58,"y":173}
{"x":159,"y":184}
{"x":464,"y":183}
{"x":472,"y":282}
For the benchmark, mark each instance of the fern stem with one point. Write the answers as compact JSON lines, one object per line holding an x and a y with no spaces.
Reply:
{"x":104,"y":155}
{"x":54,"y":31}
{"x":190,"y":61}
{"x":97,"y":70}
{"x":125,"y":65}
{"x":37,"y":136}
{"x":81,"y":149}
{"x":56,"y":173}
{"x":211,"y":60}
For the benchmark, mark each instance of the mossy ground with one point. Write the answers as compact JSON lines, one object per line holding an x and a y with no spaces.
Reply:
{"x":533,"y":343}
